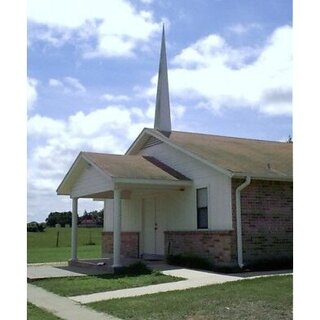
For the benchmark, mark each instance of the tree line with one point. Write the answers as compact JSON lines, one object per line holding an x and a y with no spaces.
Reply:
{"x":65,"y":218}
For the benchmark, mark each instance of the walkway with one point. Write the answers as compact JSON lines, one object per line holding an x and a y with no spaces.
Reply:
{"x":42,"y":271}
{"x":63,"y":307}
{"x":194,"y":279}
{"x":71,"y":308}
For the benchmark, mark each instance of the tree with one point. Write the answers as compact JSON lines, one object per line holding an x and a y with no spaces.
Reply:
{"x":35,"y":226}
{"x":61,"y":218}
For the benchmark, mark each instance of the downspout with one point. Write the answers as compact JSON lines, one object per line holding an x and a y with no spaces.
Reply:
{"x":238,"y":218}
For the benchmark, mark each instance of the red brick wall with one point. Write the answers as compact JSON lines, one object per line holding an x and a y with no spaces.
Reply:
{"x":267,"y":219}
{"x":217,"y":246}
{"x":129,"y":244}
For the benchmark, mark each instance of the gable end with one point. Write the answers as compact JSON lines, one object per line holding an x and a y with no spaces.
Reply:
{"x":152,"y":141}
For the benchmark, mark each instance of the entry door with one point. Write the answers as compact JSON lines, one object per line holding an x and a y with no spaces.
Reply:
{"x":153,"y":227}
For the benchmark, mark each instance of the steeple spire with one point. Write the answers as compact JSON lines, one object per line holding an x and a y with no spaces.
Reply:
{"x":162,"y":121}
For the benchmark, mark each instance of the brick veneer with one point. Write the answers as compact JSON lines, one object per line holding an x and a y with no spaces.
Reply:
{"x":267,"y":219}
{"x":129,"y":244}
{"x":217,"y":246}
{"x":267,"y":229}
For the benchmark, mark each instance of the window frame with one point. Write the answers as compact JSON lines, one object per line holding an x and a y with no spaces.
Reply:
{"x":201,"y":208}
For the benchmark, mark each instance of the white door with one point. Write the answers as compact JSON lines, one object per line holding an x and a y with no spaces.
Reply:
{"x":153,"y":226}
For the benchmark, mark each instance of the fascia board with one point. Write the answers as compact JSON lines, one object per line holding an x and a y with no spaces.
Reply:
{"x":152,"y":182}
{"x":67,"y":176}
{"x":106,"y":173}
{"x":136,"y":142}
{"x":257,"y":177}
{"x":72,"y":168}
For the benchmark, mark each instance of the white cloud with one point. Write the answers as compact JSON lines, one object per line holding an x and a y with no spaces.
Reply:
{"x":32,"y":94}
{"x":69,"y":85}
{"x":55,"y":83}
{"x":216,"y":75}
{"x":75,"y":84}
{"x":241,"y":28}
{"x":115,"y":98}
{"x":54,"y":144}
{"x":117,"y":25}
{"x":146,"y":1}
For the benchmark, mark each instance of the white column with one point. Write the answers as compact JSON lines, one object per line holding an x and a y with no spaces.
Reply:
{"x":74,"y":230}
{"x":105,"y":215}
{"x":116,"y":228}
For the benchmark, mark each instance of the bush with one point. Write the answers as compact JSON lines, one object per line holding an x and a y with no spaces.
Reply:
{"x":135,"y":269}
{"x":35,"y":226}
{"x":190,"y":261}
{"x":268,"y":264}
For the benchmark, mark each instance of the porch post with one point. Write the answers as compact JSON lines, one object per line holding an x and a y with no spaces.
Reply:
{"x":74,"y":229}
{"x":105,"y":215}
{"x":116,"y":228}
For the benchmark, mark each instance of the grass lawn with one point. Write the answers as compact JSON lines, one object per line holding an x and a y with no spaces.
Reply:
{"x":263,"y":299}
{"x":72,"y":286}
{"x":42,"y":245}
{"x":35,"y":313}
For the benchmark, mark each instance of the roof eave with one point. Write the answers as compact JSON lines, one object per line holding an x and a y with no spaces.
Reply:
{"x":136,"y":142}
{"x":63,"y":189}
{"x":261,"y":177}
{"x":155,"y":182}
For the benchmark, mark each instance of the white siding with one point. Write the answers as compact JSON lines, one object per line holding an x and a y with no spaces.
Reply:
{"x":182,"y":207}
{"x":91,"y":181}
{"x":130,"y":215}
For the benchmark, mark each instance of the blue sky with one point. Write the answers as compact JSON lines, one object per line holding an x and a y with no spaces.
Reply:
{"x":92,"y":76}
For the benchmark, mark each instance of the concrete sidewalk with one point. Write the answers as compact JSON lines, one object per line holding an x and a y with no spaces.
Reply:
{"x":70,"y":308}
{"x":193,"y":278}
{"x":43,"y":271}
{"x":63,"y":307}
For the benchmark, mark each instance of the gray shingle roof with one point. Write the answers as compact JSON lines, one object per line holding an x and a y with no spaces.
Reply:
{"x":133,"y":167}
{"x":258,"y":158}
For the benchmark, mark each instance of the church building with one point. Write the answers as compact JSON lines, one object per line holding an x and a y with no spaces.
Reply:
{"x":225,"y":199}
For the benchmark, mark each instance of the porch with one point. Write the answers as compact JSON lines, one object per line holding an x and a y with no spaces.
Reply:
{"x":115,"y":179}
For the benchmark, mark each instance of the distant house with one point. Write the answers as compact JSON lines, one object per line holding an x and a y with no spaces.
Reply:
{"x":223,"y":198}
{"x":88,"y":223}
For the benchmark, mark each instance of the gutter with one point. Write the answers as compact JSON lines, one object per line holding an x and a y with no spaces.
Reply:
{"x":238,"y":218}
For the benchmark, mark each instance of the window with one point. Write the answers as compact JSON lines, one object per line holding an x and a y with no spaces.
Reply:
{"x":202,"y":208}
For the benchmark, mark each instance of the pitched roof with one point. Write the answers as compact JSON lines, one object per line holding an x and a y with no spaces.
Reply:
{"x":133,"y":167}
{"x":238,"y":156}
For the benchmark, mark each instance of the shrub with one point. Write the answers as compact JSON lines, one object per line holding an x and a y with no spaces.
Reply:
{"x":268,"y":264}
{"x":135,"y":269}
{"x":190,"y":261}
{"x":35,"y":226}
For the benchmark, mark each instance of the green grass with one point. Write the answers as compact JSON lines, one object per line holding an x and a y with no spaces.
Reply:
{"x":42,"y":245}
{"x":263,"y":299}
{"x":72,"y":286}
{"x":35,"y":313}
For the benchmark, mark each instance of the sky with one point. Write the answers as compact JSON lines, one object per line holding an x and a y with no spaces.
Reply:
{"x":92,"y":71}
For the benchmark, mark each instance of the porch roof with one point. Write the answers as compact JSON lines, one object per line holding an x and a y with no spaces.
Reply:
{"x":133,"y":167}
{"x":123,"y":169}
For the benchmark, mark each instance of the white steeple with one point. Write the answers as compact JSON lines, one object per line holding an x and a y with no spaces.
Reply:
{"x":162,"y":121}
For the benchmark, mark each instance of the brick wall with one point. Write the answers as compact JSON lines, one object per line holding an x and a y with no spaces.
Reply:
{"x":129,"y":244}
{"x":217,"y":246}
{"x":267,"y":219}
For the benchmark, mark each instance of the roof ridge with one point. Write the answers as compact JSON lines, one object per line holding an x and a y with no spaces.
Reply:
{"x":224,"y":136}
